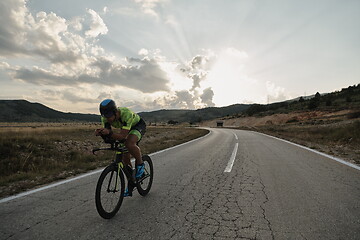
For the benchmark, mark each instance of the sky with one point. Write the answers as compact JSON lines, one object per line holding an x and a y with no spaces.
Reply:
{"x":175,"y":54}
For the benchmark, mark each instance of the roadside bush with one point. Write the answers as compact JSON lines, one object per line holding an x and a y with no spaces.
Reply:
{"x":328,"y":102}
{"x":353,"y":115}
{"x":293,"y":120}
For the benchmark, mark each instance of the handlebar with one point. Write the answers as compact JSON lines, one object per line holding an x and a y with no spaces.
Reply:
{"x":115,"y":146}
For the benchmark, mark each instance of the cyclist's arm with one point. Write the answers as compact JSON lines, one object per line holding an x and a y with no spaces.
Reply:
{"x":105,"y":130}
{"x":120,"y":135}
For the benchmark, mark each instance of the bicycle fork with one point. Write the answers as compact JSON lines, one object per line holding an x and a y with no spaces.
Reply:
{"x":117,"y":185}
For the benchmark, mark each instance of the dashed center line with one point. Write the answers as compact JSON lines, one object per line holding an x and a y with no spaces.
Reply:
{"x":232,"y":159}
{"x":233,"y":155}
{"x":236,"y":137}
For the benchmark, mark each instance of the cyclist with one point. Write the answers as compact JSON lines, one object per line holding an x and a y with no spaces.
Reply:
{"x":132,"y":127}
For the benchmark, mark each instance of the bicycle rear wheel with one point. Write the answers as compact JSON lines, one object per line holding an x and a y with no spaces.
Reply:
{"x":109,"y":192}
{"x":143,"y":184}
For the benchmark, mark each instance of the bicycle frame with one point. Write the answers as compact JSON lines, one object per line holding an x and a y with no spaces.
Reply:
{"x":120,"y":149}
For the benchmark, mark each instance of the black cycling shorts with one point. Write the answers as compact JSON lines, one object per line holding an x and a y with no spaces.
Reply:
{"x":140,"y":127}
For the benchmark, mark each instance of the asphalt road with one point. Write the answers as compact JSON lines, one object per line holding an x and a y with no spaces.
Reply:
{"x":274,"y":190}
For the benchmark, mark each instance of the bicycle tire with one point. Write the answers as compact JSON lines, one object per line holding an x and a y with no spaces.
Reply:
{"x":143,"y":185}
{"x":107,"y":198}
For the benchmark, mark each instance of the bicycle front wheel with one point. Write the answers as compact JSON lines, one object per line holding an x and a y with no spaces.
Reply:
{"x":109,"y":192}
{"x":143,"y":184}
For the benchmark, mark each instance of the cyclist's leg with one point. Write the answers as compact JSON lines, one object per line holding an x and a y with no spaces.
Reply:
{"x":128,"y":166}
{"x":132,"y":141}
{"x":126,"y":159}
{"x":134,"y":150}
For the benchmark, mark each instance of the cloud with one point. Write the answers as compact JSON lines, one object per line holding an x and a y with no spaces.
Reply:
{"x":235,"y":53}
{"x":184,"y":99}
{"x":197,"y":62}
{"x":97,"y":25}
{"x":196,"y":81}
{"x":13,"y":13}
{"x":45,"y":34}
{"x":146,"y":76}
{"x":76,"y":24}
{"x":207,"y":97}
{"x":275,"y":93}
{"x":149,"y":6}
{"x":171,"y":20}
{"x":40,"y":76}
{"x":143,"y":52}
{"x":197,"y":70}
{"x":105,"y":10}
{"x":4,"y":65}
{"x":72,"y":52}
{"x":74,"y":95}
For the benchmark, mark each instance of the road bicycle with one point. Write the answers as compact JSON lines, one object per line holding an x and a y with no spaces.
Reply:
{"x":115,"y":177}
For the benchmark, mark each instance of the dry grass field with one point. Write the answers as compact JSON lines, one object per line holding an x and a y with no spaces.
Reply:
{"x":39,"y":153}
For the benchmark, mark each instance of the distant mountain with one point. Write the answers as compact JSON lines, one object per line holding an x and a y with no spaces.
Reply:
{"x":24,"y":111}
{"x":192,"y":115}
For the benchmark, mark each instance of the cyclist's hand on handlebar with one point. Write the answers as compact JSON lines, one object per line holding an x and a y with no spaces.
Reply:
{"x":102,"y":132}
{"x":98,"y":132}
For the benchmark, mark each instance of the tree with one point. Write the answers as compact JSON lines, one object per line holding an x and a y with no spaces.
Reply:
{"x":328,"y":102}
{"x":314,"y":103}
{"x":301,"y":99}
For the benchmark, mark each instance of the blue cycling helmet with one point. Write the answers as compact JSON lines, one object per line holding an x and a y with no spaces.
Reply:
{"x":107,"y":108}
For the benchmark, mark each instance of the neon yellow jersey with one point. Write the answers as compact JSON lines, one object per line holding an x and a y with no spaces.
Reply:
{"x":127,"y":120}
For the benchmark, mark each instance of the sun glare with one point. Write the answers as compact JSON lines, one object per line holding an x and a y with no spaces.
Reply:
{"x":229,"y":81}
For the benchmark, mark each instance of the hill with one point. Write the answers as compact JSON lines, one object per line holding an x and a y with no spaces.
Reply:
{"x":24,"y":111}
{"x":346,"y":98}
{"x":192,"y":116}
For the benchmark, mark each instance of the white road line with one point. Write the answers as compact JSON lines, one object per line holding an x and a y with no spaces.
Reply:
{"x":236,"y":137}
{"x":48,"y":186}
{"x":232,"y":159}
{"x":87,"y":174}
{"x":312,"y":150}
